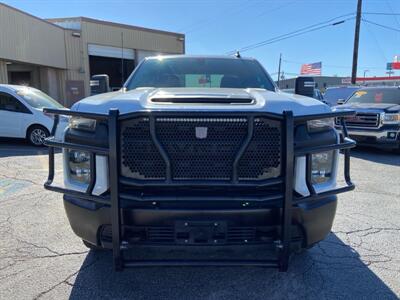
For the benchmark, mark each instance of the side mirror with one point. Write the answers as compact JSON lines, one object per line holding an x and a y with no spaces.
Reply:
{"x":99,"y":84}
{"x":305,"y":86}
{"x":341,"y":101}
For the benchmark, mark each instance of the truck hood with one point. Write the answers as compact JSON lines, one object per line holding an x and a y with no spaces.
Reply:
{"x":141,"y":100}
{"x":373,"y":107}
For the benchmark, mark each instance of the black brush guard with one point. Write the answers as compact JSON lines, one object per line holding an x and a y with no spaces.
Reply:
{"x":287,"y":199}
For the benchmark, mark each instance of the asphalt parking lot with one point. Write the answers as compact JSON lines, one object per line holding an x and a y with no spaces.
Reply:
{"x":40,"y":257}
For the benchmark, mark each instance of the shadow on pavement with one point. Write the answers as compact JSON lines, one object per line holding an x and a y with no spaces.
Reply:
{"x":330,"y":270}
{"x":19,"y":147}
{"x":377,"y":155}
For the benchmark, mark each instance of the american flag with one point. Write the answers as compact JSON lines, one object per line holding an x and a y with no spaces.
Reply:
{"x":314,"y":69}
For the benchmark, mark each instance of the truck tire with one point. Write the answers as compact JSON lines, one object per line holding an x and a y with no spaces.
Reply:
{"x":36,"y":135}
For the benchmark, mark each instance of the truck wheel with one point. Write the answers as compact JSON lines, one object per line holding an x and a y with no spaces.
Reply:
{"x":37,"y":134}
{"x":93,"y":247}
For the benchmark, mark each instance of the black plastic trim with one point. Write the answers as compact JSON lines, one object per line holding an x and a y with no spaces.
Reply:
{"x":287,"y":196}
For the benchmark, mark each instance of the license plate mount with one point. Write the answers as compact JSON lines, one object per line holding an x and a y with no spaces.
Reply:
{"x":200,"y":232}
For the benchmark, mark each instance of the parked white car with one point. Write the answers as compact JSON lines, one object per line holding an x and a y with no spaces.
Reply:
{"x":21,"y":113}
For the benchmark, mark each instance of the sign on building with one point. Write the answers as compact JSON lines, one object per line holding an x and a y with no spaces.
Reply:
{"x":346,"y":80}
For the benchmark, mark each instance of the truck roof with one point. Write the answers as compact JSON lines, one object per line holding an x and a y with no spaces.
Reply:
{"x":379,"y":87}
{"x":198,"y":56}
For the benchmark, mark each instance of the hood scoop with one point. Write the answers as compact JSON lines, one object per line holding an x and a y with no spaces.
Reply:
{"x":203,"y":100}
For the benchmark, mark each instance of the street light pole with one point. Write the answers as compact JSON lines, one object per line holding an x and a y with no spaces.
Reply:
{"x":365,"y":71}
{"x":356,"y":43}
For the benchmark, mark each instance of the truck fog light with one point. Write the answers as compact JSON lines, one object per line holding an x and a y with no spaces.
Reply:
{"x":79,"y":166}
{"x":392,"y":135}
{"x":321,"y":167}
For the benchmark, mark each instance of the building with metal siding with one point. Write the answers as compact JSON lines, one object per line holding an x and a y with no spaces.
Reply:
{"x":29,"y":39}
{"x":59,"y":55}
{"x":323,"y":82}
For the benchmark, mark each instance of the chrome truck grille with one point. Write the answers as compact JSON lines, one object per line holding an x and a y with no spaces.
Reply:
{"x":362,"y":120}
{"x":200,"y":148}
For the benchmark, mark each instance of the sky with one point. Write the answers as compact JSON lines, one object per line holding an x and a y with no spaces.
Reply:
{"x":218,"y":27}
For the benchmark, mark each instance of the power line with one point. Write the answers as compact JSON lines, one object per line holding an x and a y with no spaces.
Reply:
{"x":284,"y":37}
{"x":394,"y":15}
{"x":332,"y":66}
{"x":381,"y":13}
{"x":196,"y":25}
{"x":297,"y":32}
{"x":381,"y":25}
{"x":301,"y":63}
{"x":377,"y":43}
{"x":289,"y":36}
{"x":290,"y":33}
{"x":274,"y":9}
{"x":238,"y":9}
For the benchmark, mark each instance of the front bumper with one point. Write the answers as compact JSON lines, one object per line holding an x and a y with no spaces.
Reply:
{"x":283,"y":215}
{"x":311,"y":222}
{"x":384,"y":137}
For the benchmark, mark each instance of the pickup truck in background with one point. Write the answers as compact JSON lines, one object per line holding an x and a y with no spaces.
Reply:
{"x":338,"y":95}
{"x":316,"y":94}
{"x":377,"y":119}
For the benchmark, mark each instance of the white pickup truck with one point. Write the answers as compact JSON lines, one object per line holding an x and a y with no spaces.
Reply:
{"x":200,"y":151}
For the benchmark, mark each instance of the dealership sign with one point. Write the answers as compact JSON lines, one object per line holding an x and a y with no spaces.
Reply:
{"x":393,"y":66}
{"x":346,"y":80}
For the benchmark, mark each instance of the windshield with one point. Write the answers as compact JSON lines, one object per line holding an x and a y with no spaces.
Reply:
{"x":390,"y":96}
{"x":192,"y":72}
{"x":332,"y":95}
{"x":38,"y":99}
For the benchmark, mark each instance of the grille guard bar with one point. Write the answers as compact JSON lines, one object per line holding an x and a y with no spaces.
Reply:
{"x":115,"y":197}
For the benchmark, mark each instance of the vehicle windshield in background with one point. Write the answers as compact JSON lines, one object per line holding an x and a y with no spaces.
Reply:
{"x":390,"y":96}
{"x":190,"y":72}
{"x":332,"y":95}
{"x":38,"y":99}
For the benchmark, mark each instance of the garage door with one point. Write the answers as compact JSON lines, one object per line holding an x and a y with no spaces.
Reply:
{"x":108,"y":51}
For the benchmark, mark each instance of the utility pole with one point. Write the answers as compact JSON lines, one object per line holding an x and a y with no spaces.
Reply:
{"x":279,"y":69}
{"x":356,"y":43}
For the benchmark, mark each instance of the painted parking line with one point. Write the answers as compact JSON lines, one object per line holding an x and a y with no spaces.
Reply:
{"x":10,"y":186}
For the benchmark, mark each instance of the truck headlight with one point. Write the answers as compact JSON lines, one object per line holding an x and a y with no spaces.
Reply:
{"x":320,"y":125}
{"x":390,"y":118}
{"x":84,"y":124}
{"x":79,"y":166}
{"x":322,"y":164}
